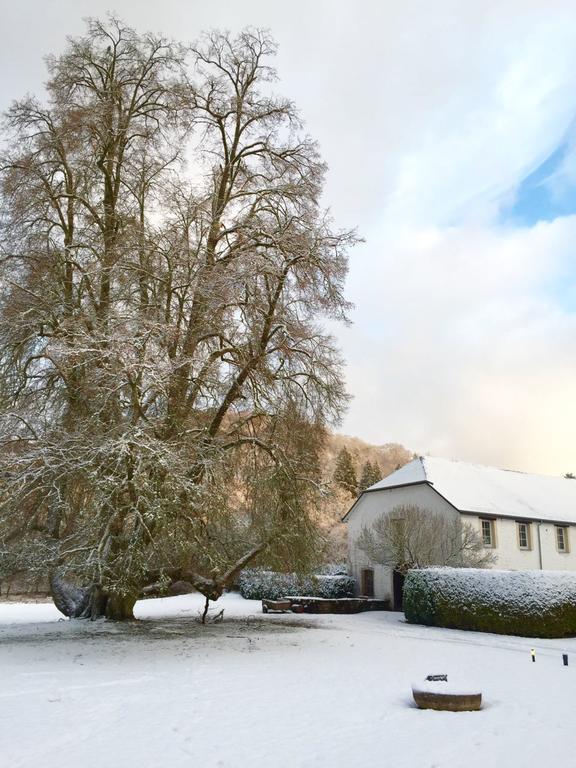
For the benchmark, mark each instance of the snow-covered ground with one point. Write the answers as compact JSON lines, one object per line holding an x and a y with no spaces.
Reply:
{"x":272,"y":691}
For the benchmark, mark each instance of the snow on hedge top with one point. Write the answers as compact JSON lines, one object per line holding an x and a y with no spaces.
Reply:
{"x":487,"y":490}
{"x":528,"y":591}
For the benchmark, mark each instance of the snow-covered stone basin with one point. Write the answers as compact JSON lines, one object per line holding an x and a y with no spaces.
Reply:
{"x":447,"y":688}
{"x":446,"y":696}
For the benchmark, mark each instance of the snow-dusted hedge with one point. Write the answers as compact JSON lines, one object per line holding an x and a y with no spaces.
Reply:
{"x":334,"y":569}
{"x":255,"y":584}
{"x":527,"y":603}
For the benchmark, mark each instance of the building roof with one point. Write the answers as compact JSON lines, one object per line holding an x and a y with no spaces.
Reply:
{"x":488,"y":490}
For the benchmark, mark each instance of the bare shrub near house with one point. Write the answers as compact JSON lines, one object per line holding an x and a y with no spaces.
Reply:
{"x":161,"y":355}
{"x":412,"y":537}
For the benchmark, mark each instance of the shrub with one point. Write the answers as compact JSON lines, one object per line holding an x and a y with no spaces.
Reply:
{"x":255,"y":584}
{"x":333,"y":569}
{"x":527,"y":603}
{"x":332,"y":587}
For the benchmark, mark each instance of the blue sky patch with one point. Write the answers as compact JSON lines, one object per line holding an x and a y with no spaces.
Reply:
{"x":546,"y":193}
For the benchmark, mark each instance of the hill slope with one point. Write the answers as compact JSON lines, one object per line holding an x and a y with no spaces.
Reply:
{"x":338,"y":500}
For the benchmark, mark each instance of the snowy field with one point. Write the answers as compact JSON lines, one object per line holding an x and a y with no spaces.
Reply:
{"x":272,"y":691}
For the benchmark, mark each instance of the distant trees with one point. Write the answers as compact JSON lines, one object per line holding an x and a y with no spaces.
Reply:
{"x":164,"y":380}
{"x":336,"y":499}
{"x":413,"y":537}
{"x":371,"y":473}
{"x":570,"y":476}
{"x":345,"y":472}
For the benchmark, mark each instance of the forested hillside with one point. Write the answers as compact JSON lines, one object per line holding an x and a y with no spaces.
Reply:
{"x":349,"y":465}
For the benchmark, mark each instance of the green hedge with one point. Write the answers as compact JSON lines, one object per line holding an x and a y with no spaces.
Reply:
{"x":257,"y":584}
{"x":526,"y":603}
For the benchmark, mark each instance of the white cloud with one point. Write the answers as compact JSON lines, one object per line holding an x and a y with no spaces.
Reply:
{"x":429,"y":115}
{"x":462,"y":345}
{"x":467,"y":352}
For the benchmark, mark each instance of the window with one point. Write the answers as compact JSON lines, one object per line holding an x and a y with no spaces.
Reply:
{"x":367,"y":582}
{"x":562,"y":539}
{"x":524,"y":535}
{"x":488,"y":537}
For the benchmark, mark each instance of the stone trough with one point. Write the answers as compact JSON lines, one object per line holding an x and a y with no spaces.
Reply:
{"x":436,"y":693}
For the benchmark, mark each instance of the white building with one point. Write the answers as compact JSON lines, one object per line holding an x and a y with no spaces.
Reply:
{"x":528,"y":520}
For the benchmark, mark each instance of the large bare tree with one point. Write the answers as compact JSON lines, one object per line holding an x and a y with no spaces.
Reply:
{"x":410,"y":536}
{"x":165,"y":266}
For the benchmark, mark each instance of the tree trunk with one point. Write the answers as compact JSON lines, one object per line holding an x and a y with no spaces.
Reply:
{"x":90,"y":602}
{"x":205,"y":613}
{"x":72,"y":601}
{"x":120,"y":607}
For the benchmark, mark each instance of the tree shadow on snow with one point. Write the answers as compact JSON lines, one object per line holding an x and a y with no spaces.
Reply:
{"x":145,"y":630}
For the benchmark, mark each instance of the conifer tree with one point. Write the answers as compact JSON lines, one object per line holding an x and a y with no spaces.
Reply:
{"x":345,"y":472}
{"x":371,"y":473}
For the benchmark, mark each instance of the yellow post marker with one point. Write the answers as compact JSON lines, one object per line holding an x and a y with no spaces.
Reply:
{"x":533,"y":654}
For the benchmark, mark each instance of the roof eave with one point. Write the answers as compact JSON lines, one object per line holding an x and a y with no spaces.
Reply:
{"x":519,"y":518}
{"x":386,"y":488}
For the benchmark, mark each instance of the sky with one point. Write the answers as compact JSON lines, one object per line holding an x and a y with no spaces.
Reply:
{"x":449,"y":129}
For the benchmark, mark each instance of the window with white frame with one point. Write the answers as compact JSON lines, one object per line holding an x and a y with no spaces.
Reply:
{"x":488,"y":537}
{"x":562,"y":544}
{"x":524,"y":535}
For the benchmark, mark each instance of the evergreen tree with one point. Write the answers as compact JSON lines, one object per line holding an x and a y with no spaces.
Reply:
{"x":371,"y":473}
{"x":345,"y":472}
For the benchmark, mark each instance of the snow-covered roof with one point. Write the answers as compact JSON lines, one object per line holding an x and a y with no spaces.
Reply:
{"x":488,"y":490}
